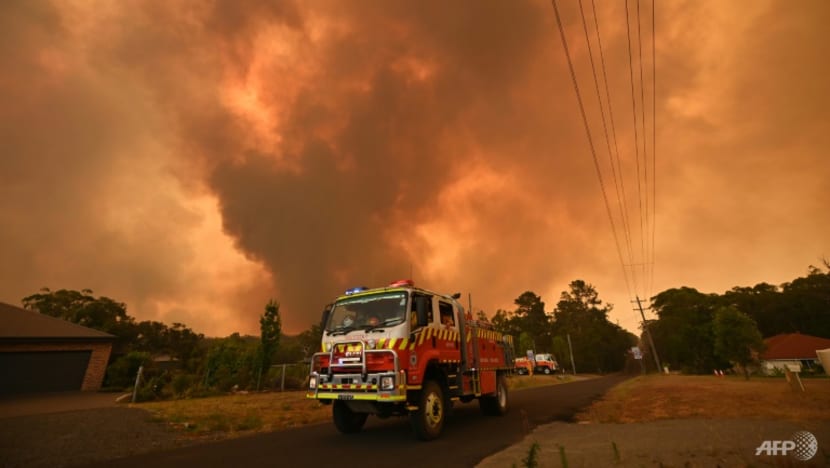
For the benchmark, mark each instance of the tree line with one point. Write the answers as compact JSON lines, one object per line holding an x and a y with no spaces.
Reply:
{"x":697,"y":332}
{"x":176,"y":361}
{"x":578,"y":328}
{"x":694,"y":332}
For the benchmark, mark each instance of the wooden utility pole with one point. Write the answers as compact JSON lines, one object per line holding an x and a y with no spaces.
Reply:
{"x":137,"y":383}
{"x":648,"y":335}
{"x":571,"y":351}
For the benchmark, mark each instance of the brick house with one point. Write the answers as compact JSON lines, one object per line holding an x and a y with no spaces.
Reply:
{"x":793,"y":351}
{"x":40,"y":353}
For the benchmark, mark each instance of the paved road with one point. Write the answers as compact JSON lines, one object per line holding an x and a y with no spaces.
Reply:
{"x":468,"y":436}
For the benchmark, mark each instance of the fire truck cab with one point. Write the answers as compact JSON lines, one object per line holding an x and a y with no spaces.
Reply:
{"x":400,"y":350}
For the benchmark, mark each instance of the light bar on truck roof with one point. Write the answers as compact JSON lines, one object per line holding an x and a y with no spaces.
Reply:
{"x":402,"y":283}
{"x":356,"y":290}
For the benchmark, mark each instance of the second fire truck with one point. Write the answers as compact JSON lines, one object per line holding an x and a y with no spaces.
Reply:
{"x":405,"y":351}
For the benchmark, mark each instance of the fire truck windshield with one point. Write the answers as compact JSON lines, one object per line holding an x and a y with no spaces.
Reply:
{"x":367,"y":312}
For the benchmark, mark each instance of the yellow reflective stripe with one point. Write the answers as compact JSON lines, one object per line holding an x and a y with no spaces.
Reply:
{"x":404,"y":343}
{"x":360,"y":396}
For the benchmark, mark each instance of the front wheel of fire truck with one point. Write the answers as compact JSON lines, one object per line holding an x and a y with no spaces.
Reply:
{"x":346,"y":420}
{"x":495,"y":405}
{"x":428,"y":420}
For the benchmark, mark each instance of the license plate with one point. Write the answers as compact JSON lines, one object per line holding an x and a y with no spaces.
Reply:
{"x":345,"y":397}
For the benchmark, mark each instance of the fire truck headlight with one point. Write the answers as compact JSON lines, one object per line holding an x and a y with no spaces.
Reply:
{"x":371,"y":344}
{"x":387,"y":382}
{"x":328,"y":347}
{"x":312,"y":382}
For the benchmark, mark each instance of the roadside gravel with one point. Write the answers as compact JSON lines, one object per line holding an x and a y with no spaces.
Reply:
{"x":667,"y":443}
{"x":81,"y":437}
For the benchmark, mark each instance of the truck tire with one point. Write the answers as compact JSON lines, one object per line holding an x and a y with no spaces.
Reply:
{"x":495,"y":405}
{"x":346,"y":420}
{"x":547,"y":371}
{"x":428,"y":420}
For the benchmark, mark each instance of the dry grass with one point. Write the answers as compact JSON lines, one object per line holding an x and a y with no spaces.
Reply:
{"x":233,"y":415}
{"x":240,"y":414}
{"x":650,"y":398}
{"x":646,"y":398}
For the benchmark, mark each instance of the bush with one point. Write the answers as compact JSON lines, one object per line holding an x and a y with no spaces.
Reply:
{"x":182,"y":385}
{"x":122,"y":372}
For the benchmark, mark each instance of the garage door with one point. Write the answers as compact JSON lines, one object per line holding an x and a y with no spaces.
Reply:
{"x":45,"y":371}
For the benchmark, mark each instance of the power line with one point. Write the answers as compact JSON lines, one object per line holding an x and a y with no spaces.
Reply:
{"x":653,"y":144}
{"x":590,"y":140}
{"x":636,"y":133}
{"x":640,"y":273}
{"x":645,"y":146}
{"x":623,"y":218}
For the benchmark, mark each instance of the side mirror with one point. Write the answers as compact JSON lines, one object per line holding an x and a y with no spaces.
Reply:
{"x":325,"y":317}
{"x":421,"y":310}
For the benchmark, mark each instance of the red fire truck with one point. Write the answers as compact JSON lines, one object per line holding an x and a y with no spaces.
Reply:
{"x":405,"y":351}
{"x":543,"y":363}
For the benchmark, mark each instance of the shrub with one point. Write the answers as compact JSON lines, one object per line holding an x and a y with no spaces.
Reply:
{"x":122,"y":372}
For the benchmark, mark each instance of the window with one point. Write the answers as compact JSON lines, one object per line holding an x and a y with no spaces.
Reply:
{"x":414,"y":308}
{"x":445,"y":311}
{"x":386,"y":309}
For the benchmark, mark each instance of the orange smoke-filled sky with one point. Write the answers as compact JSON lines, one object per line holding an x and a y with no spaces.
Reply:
{"x":196,"y":158}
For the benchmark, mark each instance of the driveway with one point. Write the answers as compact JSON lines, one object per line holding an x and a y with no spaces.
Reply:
{"x":47,"y":403}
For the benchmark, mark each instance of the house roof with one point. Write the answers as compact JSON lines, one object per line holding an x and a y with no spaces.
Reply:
{"x":18,"y":324}
{"x":793,"y":346}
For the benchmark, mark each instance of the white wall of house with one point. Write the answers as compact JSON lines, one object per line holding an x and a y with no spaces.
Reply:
{"x":769,"y":367}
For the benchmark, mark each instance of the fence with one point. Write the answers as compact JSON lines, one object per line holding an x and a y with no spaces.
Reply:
{"x":288,"y":376}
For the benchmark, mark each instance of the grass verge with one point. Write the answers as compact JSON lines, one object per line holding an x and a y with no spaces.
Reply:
{"x":240,"y":414}
{"x":654,"y":397}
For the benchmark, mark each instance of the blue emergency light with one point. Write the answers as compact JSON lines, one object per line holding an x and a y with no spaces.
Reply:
{"x":356,"y":290}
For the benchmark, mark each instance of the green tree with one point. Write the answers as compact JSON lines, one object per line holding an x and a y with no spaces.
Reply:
{"x":764,"y":303}
{"x":311,"y":340}
{"x":270,"y":325}
{"x":230,"y":362}
{"x":531,"y":319}
{"x":807,"y":303}
{"x":504,"y":322}
{"x":683,"y":333}
{"x":598,"y":345}
{"x":525,"y":343}
{"x":737,"y":338}
{"x":83,"y":308}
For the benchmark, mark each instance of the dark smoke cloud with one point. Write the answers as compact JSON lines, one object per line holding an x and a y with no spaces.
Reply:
{"x":351,"y":143}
